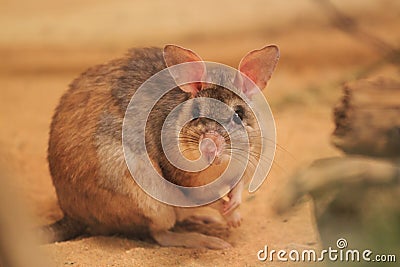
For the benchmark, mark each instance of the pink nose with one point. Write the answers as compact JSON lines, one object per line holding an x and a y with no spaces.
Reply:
{"x":211,"y":147}
{"x":208,"y":149}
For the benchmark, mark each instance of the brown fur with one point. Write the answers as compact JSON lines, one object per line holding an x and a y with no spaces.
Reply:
{"x":95,"y":189}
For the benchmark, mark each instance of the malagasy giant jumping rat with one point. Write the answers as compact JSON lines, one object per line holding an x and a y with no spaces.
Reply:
{"x":95,"y":189}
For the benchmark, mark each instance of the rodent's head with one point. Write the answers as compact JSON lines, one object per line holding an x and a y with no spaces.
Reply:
{"x":206,"y":134}
{"x":206,"y":137}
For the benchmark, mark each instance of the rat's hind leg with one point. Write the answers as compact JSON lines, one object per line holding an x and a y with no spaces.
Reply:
{"x":199,"y":215}
{"x":164,"y":219}
{"x":189,"y":240}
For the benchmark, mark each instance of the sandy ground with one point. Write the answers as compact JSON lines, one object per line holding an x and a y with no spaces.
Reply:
{"x":45,"y":44}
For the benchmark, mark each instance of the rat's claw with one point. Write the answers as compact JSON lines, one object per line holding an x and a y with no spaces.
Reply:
{"x":234,"y":220}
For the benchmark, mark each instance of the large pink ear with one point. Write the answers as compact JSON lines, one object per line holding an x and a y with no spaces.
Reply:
{"x":258,"y":65}
{"x":174,"y":55}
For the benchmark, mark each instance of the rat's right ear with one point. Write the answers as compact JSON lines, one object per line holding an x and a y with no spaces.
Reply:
{"x":258,"y":65}
{"x":174,"y":55}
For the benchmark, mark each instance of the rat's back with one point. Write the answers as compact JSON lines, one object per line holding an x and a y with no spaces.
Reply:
{"x":85,"y":153}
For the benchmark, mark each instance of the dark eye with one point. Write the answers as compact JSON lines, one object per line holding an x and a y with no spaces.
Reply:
{"x":238,"y":115}
{"x":236,"y":118}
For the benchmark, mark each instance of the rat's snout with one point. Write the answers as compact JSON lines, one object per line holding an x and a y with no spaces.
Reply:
{"x":211,"y":146}
{"x":208,"y":149}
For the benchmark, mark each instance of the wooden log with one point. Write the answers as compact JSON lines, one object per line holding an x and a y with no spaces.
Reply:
{"x":356,"y":197}
{"x":367,"y":119}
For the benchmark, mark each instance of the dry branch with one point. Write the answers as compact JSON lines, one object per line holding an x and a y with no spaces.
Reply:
{"x":368,"y":119}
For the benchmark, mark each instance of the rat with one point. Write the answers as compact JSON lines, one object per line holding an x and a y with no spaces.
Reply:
{"x":95,"y":189}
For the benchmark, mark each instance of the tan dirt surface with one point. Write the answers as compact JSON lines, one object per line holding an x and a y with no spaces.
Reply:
{"x":45,"y":44}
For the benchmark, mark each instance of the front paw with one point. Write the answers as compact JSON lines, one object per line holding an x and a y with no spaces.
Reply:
{"x":233,"y":219}
{"x":235,"y":198}
{"x":234,"y":201}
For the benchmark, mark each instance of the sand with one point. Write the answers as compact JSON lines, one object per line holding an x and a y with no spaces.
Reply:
{"x":46,"y":44}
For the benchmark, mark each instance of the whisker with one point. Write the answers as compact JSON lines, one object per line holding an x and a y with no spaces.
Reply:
{"x":278,"y":146}
{"x":259,"y":157}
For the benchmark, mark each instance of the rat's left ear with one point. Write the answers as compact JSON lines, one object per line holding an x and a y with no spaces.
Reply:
{"x":174,"y":55}
{"x":258,"y":65}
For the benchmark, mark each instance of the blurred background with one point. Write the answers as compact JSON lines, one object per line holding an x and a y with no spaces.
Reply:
{"x":45,"y":44}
